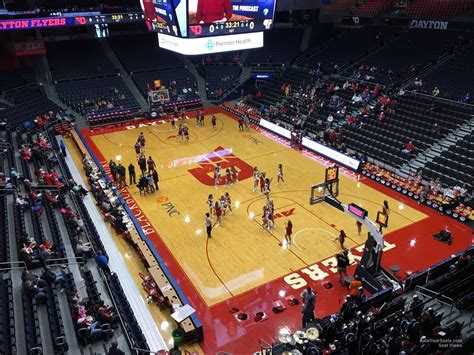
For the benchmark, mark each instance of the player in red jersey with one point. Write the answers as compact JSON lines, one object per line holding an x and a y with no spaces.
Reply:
{"x":217,"y":209}
{"x":262,"y":182}
{"x":214,"y":122}
{"x":288,"y":233}
{"x":186,"y":132}
{"x":228,"y":177}
{"x":141,"y":139}
{"x":138,"y":149}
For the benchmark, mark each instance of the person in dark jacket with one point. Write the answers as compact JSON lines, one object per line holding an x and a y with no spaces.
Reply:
{"x":308,"y":312}
{"x":62,"y":146}
{"x":154,"y":175}
{"x":114,"y":349}
{"x":131,"y":173}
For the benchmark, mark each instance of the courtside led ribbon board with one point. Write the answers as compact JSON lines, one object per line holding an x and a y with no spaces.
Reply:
{"x":318,"y":148}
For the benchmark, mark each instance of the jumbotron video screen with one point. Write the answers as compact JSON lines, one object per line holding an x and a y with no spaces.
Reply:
{"x":209,"y":26}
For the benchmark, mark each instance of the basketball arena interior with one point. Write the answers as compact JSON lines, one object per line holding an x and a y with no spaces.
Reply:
{"x":236,"y":177}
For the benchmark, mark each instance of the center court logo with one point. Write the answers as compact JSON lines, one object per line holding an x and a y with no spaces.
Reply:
{"x":205,"y":172}
{"x":210,"y":45}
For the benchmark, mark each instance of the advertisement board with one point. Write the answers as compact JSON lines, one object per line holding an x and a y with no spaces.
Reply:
{"x":217,"y":44}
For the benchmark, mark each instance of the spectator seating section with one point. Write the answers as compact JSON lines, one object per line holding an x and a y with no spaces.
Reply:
{"x":78,"y":59}
{"x":4,"y":239}
{"x":344,"y":49}
{"x":55,"y":321}
{"x":183,"y":78}
{"x":455,"y":165}
{"x":407,"y":54}
{"x":32,"y":329}
{"x":30,"y":102}
{"x":281,"y":46}
{"x":7,"y":318}
{"x":412,"y":120}
{"x":142,"y":53}
{"x":449,"y":79}
{"x":438,"y":8}
{"x":219,"y":78}
{"x":73,"y":93}
{"x":15,"y":78}
{"x":371,"y":7}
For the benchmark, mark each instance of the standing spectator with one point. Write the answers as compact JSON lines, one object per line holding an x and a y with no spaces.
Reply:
{"x":342,"y":264}
{"x":114,"y":349}
{"x":62,"y":146}
{"x":308,"y":295}
{"x":154,"y":175}
{"x":142,"y":164}
{"x":113,"y":170}
{"x":102,"y":261}
{"x":121,"y":172}
{"x":131,"y":173}
{"x":308,"y":312}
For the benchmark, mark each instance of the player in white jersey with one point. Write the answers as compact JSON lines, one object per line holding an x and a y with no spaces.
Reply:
{"x":256,"y":178}
{"x":210,"y":202}
{"x":280,"y":174}
{"x":217,"y":175}
{"x":228,"y":202}
{"x":223,"y":203}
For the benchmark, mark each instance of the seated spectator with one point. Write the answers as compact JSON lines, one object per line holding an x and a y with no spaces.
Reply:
{"x":114,"y":349}
{"x":84,"y":249}
{"x":409,"y":148}
{"x":21,"y":202}
{"x":53,"y":278}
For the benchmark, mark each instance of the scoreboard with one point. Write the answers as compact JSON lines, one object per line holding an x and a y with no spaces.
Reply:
{"x":189,"y":20}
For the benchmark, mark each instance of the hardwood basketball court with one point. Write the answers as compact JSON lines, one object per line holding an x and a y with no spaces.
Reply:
{"x":244,"y":262}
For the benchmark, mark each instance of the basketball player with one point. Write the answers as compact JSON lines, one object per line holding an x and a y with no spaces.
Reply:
{"x":265,"y":218}
{"x":280,"y":175}
{"x":359,"y":227}
{"x":141,"y":140}
{"x":341,"y":238}
{"x":228,"y":177}
{"x":270,"y":208}
{"x":151,"y":164}
{"x":288,"y":233}
{"x":256,"y":178}
{"x":180,"y":130}
{"x":235,"y":175}
{"x":241,"y":124}
{"x":173,"y":121}
{"x":217,"y":175}
{"x":201,"y":116}
{"x":228,"y":202}
{"x":208,"y":225}
{"x":210,"y":202}
{"x":214,"y":122}
{"x":186,"y":132}
{"x":262,"y":182}
{"x":223,"y":202}
{"x":266,"y":187}
{"x":138,"y":149}
{"x":217,"y":209}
